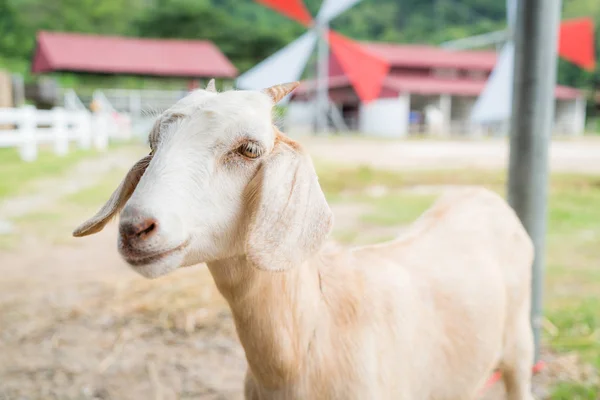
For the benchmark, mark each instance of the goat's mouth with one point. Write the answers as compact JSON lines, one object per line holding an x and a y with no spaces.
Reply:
{"x":137,"y":258}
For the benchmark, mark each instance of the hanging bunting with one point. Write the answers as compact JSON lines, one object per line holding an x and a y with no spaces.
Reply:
{"x":332,"y":8}
{"x":294,"y":9}
{"x":576,"y":42}
{"x":494,"y":103}
{"x":365,"y":70}
{"x":286,"y":65}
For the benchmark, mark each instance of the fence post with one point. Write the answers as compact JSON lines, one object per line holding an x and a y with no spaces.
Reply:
{"x":27,"y":128}
{"x":135,"y":103}
{"x":100,"y":129}
{"x":124,"y":123}
{"x":59,"y":130}
{"x":84,"y":129}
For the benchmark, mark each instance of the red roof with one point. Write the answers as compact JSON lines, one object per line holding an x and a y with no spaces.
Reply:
{"x":432,"y":57}
{"x":120,"y":55}
{"x":428,"y":85}
{"x":458,"y":87}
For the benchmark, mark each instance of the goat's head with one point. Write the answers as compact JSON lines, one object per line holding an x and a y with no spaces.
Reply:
{"x":220,"y":181}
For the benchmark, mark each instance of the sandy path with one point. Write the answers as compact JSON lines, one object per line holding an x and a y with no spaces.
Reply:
{"x":565,"y":156}
{"x":66,"y":332}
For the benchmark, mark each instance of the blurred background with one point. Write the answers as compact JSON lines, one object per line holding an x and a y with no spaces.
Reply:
{"x":405,"y":100}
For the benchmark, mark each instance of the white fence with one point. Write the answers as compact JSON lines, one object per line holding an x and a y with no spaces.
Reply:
{"x":28,"y":127}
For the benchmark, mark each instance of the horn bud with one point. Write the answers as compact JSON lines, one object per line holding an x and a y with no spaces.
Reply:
{"x":210,"y":87}
{"x":278,"y":92}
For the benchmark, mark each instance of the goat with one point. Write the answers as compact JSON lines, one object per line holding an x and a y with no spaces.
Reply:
{"x":426,"y":316}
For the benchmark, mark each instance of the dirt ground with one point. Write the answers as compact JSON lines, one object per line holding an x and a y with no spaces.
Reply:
{"x":71,"y":329}
{"x":77,"y":323}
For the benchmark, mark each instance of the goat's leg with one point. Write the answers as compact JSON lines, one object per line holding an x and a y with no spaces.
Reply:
{"x":518,"y":359}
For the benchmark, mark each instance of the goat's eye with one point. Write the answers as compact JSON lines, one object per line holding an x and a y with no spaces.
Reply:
{"x":250,"y":150}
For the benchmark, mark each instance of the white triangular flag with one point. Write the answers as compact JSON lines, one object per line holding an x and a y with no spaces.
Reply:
{"x":495,"y":102}
{"x":284,"y":66}
{"x":332,"y":8}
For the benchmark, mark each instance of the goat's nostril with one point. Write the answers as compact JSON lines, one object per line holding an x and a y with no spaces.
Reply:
{"x":141,"y":230}
{"x":145,"y":228}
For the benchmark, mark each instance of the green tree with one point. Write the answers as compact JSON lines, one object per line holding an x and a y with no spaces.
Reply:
{"x":248,"y":32}
{"x":11,"y":31}
{"x":244,"y":41}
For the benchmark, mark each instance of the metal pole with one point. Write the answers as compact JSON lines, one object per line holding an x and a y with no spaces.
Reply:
{"x":511,"y":16}
{"x":322,"y":96}
{"x":536,"y":37}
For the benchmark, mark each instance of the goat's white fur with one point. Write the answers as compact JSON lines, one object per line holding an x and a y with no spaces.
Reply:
{"x":426,"y":316}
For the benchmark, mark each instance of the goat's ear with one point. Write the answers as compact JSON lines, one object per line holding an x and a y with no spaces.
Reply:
{"x":211,"y":86}
{"x":116,"y":202}
{"x":278,"y":92}
{"x":289,"y":216}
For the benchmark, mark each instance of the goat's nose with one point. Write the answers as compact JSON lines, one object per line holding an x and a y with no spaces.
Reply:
{"x":138,"y":229}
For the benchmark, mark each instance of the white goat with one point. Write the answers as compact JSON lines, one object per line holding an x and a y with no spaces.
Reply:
{"x":426,"y":316}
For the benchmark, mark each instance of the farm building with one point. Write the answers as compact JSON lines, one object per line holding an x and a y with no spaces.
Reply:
{"x":191,"y":61}
{"x":76,"y":52}
{"x":427,"y":89}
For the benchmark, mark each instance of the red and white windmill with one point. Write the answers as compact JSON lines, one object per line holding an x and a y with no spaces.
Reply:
{"x":288,"y":64}
{"x":575,"y":44}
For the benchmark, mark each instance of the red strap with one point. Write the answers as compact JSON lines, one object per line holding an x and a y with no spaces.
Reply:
{"x":496,"y":376}
{"x":294,"y":9}
{"x":365,"y":70}
{"x":576,"y":42}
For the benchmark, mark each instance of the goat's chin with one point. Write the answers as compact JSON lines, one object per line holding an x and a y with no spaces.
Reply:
{"x":157,"y":268}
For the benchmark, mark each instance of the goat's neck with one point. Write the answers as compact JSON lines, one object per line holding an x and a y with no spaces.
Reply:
{"x":275,"y":315}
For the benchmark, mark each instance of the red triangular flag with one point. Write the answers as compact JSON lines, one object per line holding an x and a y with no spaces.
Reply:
{"x":576,"y":42}
{"x":294,"y":9}
{"x":365,"y":70}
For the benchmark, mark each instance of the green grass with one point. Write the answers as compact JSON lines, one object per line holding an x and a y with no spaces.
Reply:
{"x":339,"y":179}
{"x":578,"y":324}
{"x":346,"y":236}
{"x":55,"y":225}
{"x":17,"y":174}
{"x":18,"y":177}
{"x":95,"y":196}
{"x":385,"y":210}
{"x":50,"y":217}
{"x":574,"y":391}
{"x":336,"y":179}
{"x":8,"y":242}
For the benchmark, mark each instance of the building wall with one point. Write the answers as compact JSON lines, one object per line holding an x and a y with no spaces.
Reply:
{"x":299,"y":116}
{"x":460,"y":115}
{"x":385,"y":117}
{"x":389,"y":117}
{"x":434,"y":111}
{"x":569,"y":116}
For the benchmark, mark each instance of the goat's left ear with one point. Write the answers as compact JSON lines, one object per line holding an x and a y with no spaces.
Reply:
{"x":289,"y":216}
{"x":116,"y":202}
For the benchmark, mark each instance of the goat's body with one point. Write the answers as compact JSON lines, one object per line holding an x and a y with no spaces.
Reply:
{"x":427,"y":316}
